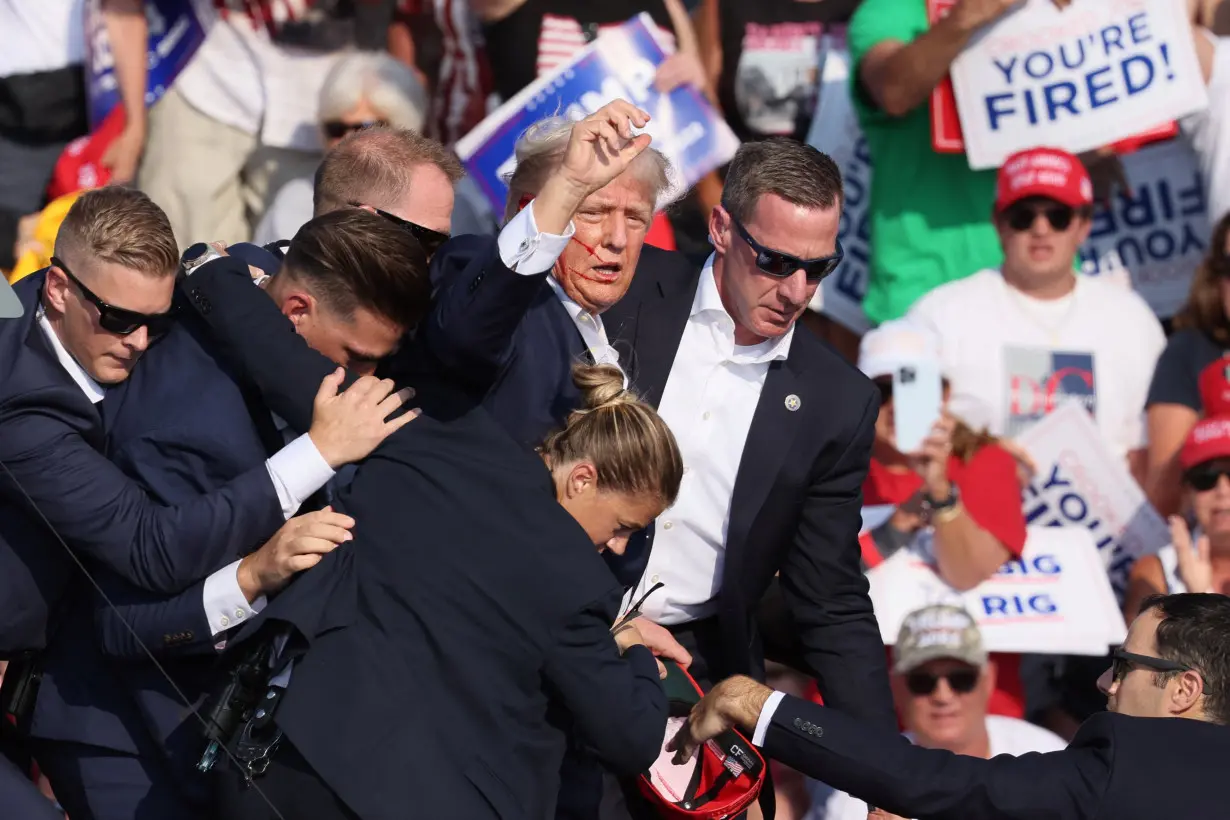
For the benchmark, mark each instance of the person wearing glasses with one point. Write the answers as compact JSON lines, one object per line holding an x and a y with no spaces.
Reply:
{"x":1017,"y":341}
{"x":942,"y":679}
{"x":776,"y":431}
{"x":1196,"y":559}
{"x":88,"y":331}
{"x":362,"y":90}
{"x":1159,"y":749}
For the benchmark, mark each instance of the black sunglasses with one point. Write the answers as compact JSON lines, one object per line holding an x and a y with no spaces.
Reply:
{"x":336,"y":129}
{"x":1122,"y":661}
{"x":429,"y":239}
{"x":781,"y":265}
{"x":1202,"y":479}
{"x":961,"y":681}
{"x":1020,"y":216}
{"x":118,"y":320}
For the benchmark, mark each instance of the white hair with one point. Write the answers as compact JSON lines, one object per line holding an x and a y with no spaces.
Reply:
{"x":540,"y":149}
{"x":387,"y":84}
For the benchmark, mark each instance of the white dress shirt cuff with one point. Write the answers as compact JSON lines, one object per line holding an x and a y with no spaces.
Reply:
{"x":766,"y":717}
{"x":527,"y":251}
{"x":297,"y":471}
{"x":225,"y":604}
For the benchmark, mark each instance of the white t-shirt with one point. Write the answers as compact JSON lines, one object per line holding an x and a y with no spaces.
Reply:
{"x":1209,"y":131}
{"x":1011,"y":359}
{"x":243,"y":79}
{"x":41,"y":35}
{"x":1008,"y":736}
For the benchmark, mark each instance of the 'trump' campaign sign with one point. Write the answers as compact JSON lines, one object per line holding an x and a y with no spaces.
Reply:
{"x":1158,"y":234}
{"x":175,"y":33}
{"x":1077,"y":78}
{"x":1055,"y":598}
{"x":1080,"y":484}
{"x":836,"y":132}
{"x":622,"y":62}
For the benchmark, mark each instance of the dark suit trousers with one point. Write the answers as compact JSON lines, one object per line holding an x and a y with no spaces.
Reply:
{"x":93,"y":783}
{"x":20,"y":798}
{"x":289,"y":784}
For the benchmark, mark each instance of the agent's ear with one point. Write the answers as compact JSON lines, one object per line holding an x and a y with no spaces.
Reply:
{"x":55,"y":290}
{"x":582,"y":478}
{"x":299,"y":306}
{"x":1187,"y":692}
{"x":720,"y":229}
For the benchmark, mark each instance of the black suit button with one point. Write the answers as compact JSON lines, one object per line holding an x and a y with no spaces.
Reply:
{"x":477,"y":279}
{"x":817,"y":731}
{"x":806,"y":726}
{"x":798,"y":724}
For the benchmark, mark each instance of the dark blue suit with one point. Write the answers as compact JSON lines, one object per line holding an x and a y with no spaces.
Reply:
{"x":468,"y":602}
{"x":179,"y":426}
{"x":56,"y":484}
{"x":182,"y":425}
{"x":53,"y":445}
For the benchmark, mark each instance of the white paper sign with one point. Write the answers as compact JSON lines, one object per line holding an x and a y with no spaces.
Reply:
{"x":1158,"y":235}
{"x":1054,"y":599}
{"x":1077,"y":78}
{"x":836,"y":132}
{"x":1080,"y":484}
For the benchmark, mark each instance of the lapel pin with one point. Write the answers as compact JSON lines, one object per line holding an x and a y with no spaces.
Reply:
{"x":793,"y":402}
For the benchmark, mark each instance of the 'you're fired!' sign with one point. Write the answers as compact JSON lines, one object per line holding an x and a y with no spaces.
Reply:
{"x":1078,"y":78}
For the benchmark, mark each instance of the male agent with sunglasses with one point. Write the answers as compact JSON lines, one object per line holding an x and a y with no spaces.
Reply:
{"x":775,"y":429}
{"x":1160,"y":749}
{"x":88,"y":333}
{"x":942,"y":682}
{"x":1018,"y":341}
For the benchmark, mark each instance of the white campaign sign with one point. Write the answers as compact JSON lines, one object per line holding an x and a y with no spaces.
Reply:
{"x":1157,"y":236}
{"x":1078,"y":78}
{"x":1080,"y":484}
{"x":836,"y":132}
{"x":1054,"y":599}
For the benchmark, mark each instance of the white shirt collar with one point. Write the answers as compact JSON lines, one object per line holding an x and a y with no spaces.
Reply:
{"x":707,"y":307}
{"x":92,"y":389}
{"x":574,"y":310}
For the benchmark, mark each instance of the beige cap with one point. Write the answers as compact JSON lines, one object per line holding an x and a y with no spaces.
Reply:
{"x":938,"y":631}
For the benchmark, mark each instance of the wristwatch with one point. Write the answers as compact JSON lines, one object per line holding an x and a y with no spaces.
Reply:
{"x":197,"y":255}
{"x":941,"y":509}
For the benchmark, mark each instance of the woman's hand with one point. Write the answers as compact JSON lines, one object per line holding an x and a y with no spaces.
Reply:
{"x":1195,"y":567}
{"x":931,"y":462}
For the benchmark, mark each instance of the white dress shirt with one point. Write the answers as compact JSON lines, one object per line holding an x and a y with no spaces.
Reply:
{"x":708,"y":403}
{"x":527,"y":251}
{"x":297,"y":471}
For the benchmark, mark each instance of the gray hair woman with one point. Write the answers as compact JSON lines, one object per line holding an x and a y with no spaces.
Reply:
{"x":363,"y":89}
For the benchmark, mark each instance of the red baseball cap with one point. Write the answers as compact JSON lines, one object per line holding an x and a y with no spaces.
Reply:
{"x":1209,"y":439}
{"x":1046,"y":172}
{"x":1214,"y":384}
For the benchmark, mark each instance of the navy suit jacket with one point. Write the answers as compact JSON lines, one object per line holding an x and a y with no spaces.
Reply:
{"x":795,"y":507}
{"x":1120,"y":767}
{"x":56,"y":483}
{"x":179,"y":427}
{"x":468,"y":604}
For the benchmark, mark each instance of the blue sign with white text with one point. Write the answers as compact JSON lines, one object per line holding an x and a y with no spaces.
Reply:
{"x":622,"y":63}
{"x":175,"y":33}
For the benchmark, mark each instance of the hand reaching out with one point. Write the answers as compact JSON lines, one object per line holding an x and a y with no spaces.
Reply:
{"x":300,"y":544}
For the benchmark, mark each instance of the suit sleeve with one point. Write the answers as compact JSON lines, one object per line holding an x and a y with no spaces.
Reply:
{"x":132,"y":620}
{"x":136,"y":620}
{"x":886,"y":770}
{"x":476,"y":310}
{"x":256,"y":338}
{"x":95,"y":508}
{"x":826,"y":592}
{"x":617,"y":703}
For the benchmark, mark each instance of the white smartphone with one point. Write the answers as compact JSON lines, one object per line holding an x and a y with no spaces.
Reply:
{"x":918,"y":396}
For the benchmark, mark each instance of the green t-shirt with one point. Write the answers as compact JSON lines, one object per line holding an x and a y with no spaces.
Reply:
{"x":930,"y":214}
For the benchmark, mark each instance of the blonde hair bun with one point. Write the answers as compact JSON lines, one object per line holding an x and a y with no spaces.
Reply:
{"x":601,"y":385}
